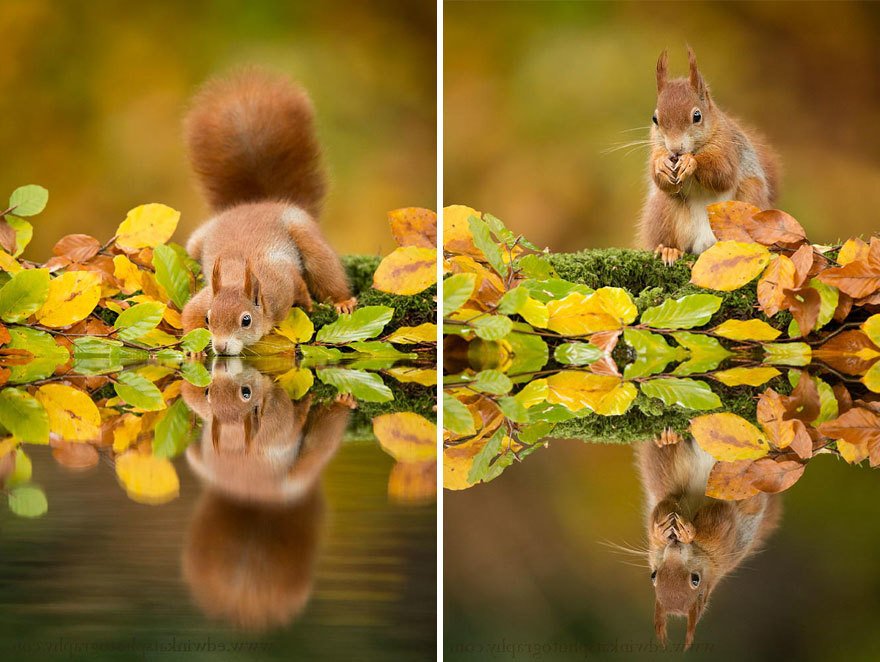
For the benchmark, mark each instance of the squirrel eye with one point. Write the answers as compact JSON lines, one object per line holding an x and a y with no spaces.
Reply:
{"x":654,"y":577}
{"x":698,"y":117}
{"x":245,"y":320}
{"x":654,"y":118}
{"x":695,"y":579}
{"x":246,"y":392}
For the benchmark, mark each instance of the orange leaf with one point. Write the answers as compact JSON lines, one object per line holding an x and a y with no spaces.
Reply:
{"x":729,"y":220}
{"x":804,"y":304}
{"x":857,"y":426}
{"x":850,"y":352}
{"x":779,"y":276}
{"x":775,"y":227}
{"x":414,"y":226}
{"x":731,"y":481}
{"x":77,"y":247}
{"x":773,"y":475}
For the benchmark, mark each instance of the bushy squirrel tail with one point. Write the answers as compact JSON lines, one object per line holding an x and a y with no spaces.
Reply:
{"x":251,"y":137}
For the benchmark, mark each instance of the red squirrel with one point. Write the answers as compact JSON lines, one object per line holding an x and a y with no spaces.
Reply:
{"x":694,"y":540}
{"x":699,"y":156}
{"x":252,"y":142}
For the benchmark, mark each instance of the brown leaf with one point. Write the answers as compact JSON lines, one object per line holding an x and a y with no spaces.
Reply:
{"x":605,"y":366}
{"x":413,"y":226}
{"x":74,"y":455}
{"x":780,"y":275}
{"x":857,"y":426}
{"x":803,"y":403}
{"x":77,"y":247}
{"x":804,"y":304}
{"x":56,"y":263}
{"x":15,"y":356}
{"x":858,"y":279}
{"x":606,"y":340}
{"x":772,"y":475}
{"x":802,"y":444}
{"x":803,"y":259}
{"x":5,"y":374}
{"x":731,"y":481}
{"x":844,"y":306}
{"x":7,"y":236}
{"x":843,"y":397}
{"x":5,"y":337}
{"x":774,"y":226}
{"x":729,"y":220}
{"x":771,"y":415}
{"x":850,"y":352}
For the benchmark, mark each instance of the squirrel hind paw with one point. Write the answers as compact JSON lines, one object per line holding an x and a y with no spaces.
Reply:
{"x":668,"y":254}
{"x":346,"y":399}
{"x":667,"y":438}
{"x":346,"y":306}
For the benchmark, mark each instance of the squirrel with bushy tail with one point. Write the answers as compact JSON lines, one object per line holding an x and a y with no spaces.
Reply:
{"x":252,"y":142}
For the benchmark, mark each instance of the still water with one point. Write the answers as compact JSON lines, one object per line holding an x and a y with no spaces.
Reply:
{"x":328,"y":561}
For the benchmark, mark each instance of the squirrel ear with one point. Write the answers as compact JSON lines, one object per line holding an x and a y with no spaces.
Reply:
{"x":694,"y":614}
{"x":215,"y":276}
{"x":660,"y":622}
{"x":662,"y":71}
{"x":697,"y":82}
{"x":251,"y":284}
{"x":215,"y":433}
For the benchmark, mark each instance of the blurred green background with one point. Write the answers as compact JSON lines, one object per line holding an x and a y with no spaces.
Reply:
{"x":537,"y":92}
{"x":94,"y":93}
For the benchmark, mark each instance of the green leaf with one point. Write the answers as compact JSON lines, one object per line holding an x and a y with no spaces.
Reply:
{"x":492,"y":381}
{"x":363,"y":385}
{"x":787,"y":353}
{"x":195,"y":341}
{"x":24,"y":232}
{"x":172,"y":274}
{"x":577,"y":353}
{"x":510,"y":303}
{"x":684,"y":313}
{"x":653,"y":353}
{"x":24,"y":294}
{"x":173,"y":431}
{"x":529,"y":351}
{"x":706,"y":353}
{"x":317,"y":355}
{"x":22,"y":471}
{"x":195,"y":373}
{"x":362,"y":324}
{"x":48,"y":354}
{"x":501,"y":463}
{"x":138,"y":391}
{"x":492,"y":327}
{"x":482,"y":459}
{"x":456,"y":417}
{"x":140,"y":319}
{"x":687,"y":393}
{"x":501,"y":231}
{"x":172,"y":356}
{"x":28,"y":501}
{"x":514,"y":410}
{"x":483,"y":240}
{"x":530,"y":434}
{"x":28,"y":200}
{"x":553,"y":289}
{"x":457,"y":290}
{"x":24,"y":416}
{"x":535,"y":266}
{"x":381,"y":349}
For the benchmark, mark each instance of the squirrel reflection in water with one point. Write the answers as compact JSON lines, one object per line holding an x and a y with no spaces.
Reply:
{"x":694,"y":541}
{"x":251,"y":545}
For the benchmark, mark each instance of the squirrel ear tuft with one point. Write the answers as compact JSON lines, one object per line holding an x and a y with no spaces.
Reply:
{"x":215,"y":276}
{"x":662,"y":70}
{"x":694,"y":614}
{"x":697,"y":82}
{"x":660,"y":622}
{"x":251,"y":284}
{"x":215,"y":433}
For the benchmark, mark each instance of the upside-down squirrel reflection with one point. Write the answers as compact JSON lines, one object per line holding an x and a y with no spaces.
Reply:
{"x":694,"y":540}
{"x":251,"y":546}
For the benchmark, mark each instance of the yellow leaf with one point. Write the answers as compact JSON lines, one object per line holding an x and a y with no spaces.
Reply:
{"x":407,"y":270}
{"x":871,"y":327}
{"x":488,"y":288}
{"x":728,"y":437}
{"x":172,"y":390}
{"x":606,"y":395}
{"x":9,"y":263}
{"x":115,"y":306}
{"x":127,"y":273}
{"x":413,"y":482}
{"x":414,"y":226}
{"x":296,"y":327}
{"x":852,"y":453}
{"x":606,"y":309}
{"x":872,"y":378}
{"x":73,"y":416}
{"x":406,"y":436}
{"x":728,"y":265}
{"x":852,"y":250}
{"x":172,"y":316}
{"x":535,"y":392}
{"x":535,"y":313}
{"x":157,"y":338}
{"x":457,"y":237}
{"x":408,"y":335}
{"x":746,"y":376}
{"x":409,"y":374}
{"x":72,"y":296}
{"x":147,"y":478}
{"x":155,"y":372}
{"x":779,"y":276}
{"x":296,"y":382}
{"x":457,"y":462}
{"x":746,"y":330}
{"x":126,"y":433}
{"x":147,"y":226}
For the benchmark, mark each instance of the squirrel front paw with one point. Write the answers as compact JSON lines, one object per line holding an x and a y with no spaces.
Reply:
{"x":668,"y":254}
{"x":346,"y":306}
{"x":666,"y":173}
{"x":686,"y":165}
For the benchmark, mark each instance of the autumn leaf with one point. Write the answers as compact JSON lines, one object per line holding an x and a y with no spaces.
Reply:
{"x":146,"y":478}
{"x":77,"y":247}
{"x":414,"y":226}
{"x":488,"y":285}
{"x":858,"y":278}
{"x":147,"y":226}
{"x":742,"y":376}
{"x":729,"y":220}
{"x":407,"y":270}
{"x":606,"y":309}
{"x":457,"y":237}
{"x":72,"y":296}
{"x":411,"y":335}
{"x":75,"y":455}
{"x":773,"y":475}
{"x":746,"y":330}
{"x":852,"y":250}
{"x":73,"y":416}
{"x":128,"y":274}
{"x":731,"y":481}
{"x":858,"y":426}
{"x":850,"y":352}
{"x":605,"y":395}
{"x":771,"y":416}
{"x":779,"y":276}
{"x":728,"y":265}
{"x":406,"y":436}
{"x":728,"y":437}
{"x":296,"y":327}
{"x":804,"y":304}
{"x":775,"y":227}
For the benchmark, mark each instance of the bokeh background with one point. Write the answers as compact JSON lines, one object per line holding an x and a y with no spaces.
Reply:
{"x":536,"y":93}
{"x":94,"y":92}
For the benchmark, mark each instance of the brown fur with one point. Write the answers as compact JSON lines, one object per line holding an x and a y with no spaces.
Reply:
{"x":712,"y":537}
{"x":252,"y":142}
{"x":712,"y":162}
